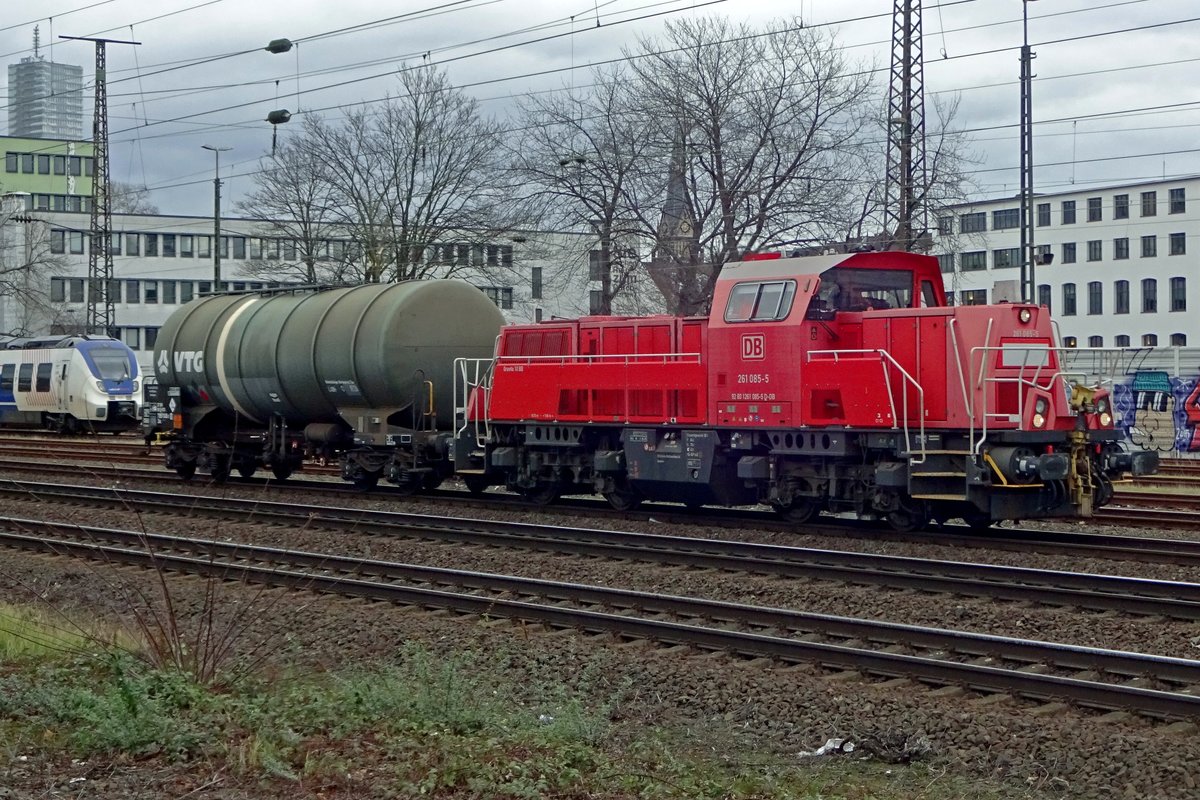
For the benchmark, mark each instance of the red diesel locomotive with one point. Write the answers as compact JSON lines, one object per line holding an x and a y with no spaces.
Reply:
{"x":833,"y":383}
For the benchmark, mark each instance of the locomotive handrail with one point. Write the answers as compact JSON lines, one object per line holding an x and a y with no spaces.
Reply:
{"x":887,"y":379}
{"x":464,"y":383}
{"x":639,"y":358}
{"x":962,"y":373}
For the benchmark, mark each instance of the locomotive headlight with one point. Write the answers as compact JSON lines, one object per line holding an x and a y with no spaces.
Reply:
{"x":1039,"y":421}
{"x":135,"y":387}
{"x":1041,"y":406}
{"x":1025,"y":315}
{"x":1105,"y":418}
{"x":100,"y":385}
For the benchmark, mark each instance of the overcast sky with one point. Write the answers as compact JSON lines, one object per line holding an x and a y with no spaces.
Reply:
{"x":1115,"y":96}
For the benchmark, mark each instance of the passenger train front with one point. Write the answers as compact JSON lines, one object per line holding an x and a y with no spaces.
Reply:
{"x":73,"y":384}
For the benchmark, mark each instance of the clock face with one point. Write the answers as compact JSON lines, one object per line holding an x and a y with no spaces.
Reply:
{"x":685,"y":227}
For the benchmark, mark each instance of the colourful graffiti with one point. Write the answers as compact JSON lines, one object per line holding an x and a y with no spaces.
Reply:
{"x":1158,"y":411}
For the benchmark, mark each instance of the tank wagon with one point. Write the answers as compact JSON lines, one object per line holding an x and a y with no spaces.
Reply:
{"x":833,"y":383}
{"x":364,"y":374}
{"x":72,"y":384}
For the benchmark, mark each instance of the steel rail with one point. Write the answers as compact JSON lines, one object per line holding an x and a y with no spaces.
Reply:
{"x":227,"y":561}
{"x":1173,"y":599}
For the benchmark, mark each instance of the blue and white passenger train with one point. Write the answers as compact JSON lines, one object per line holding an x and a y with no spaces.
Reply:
{"x":73,"y":384}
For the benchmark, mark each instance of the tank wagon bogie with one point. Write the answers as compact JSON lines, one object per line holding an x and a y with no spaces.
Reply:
{"x":72,"y":384}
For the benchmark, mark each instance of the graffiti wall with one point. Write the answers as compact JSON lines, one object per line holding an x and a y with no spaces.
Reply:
{"x":1159,"y":411}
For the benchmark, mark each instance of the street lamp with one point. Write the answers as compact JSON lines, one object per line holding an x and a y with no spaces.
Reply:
{"x":1028,"y":274}
{"x":216,"y":245}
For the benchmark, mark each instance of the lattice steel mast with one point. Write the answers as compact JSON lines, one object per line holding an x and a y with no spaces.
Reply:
{"x":100,"y":313}
{"x":905,"y":212}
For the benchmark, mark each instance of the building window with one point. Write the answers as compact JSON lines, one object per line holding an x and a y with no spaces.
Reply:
{"x":501,"y":296}
{"x":1095,"y":209}
{"x":595,"y":301}
{"x":204,"y":287}
{"x":949,"y":298}
{"x":133,"y":291}
{"x":1178,"y":203}
{"x":972,"y":223}
{"x":114,"y":290}
{"x":506,"y":255}
{"x":1121,"y":341}
{"x":1095,"y":250}
{"x":75,"y":238}
{"x":1009,"y":257}
{"x":151,"y":244}
{"x":11,"y":162}
{"x":1068,"y":253}
{"x":535,"y":290}
{"x":1178,"y":244}
{"x":132,"y":337}
{"x":1121,"y":248}
{"x":1070,"y":341}
{"x":151,"y":292}
{"x":945,"y":226}
{"x":27,"y":163}
{"x":1179,"y":294}
{"x":256,"y":249}
{"x":224,"y":245}
{"x":1179,"y":339}
{"x":1149,"y":246}
{"x":60,"y":165}
{"x":168,"y":292}
{"x":289,"y":249}
{"x":1043,"y":214}
{"x":58,"y":290}
{"x":1095,"y":298}
{"x":1149,"y":204}
{"x":462,"y":254}
{"x":132,"y":244}
{"x":75,"y":164}
{"x":239,"y":247}
{"x":1149,"y":340}
{"x":75,"y":290}
{"x":1068,"y":300}
{"x":168,"y":245}
{"x":114,"y":244}
{"x":1068,"y":212}
{"x":1006,"y":218}
{"x":151,"y":338}
{"x":975,"y":260}
{"x":43,"y":165}
{"x":1121,"y":297}
{"x":1121,"y":206}
{"x":185,"y":246}
{"x":1044,"y":295}
{"x":203,"y":247}
{"x":493,"y":255}
{"x":1149,"y":296}
{"x":187,"y":291}
{"x":946,"y":262}
{"x":58,"y":241}
{"x":1095,"y":341}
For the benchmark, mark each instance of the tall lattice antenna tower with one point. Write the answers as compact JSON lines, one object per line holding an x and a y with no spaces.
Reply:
{"x":101,"y":315}
{"x":906,"y":216}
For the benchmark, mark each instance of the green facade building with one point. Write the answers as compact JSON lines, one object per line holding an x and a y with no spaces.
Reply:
{"x":55,"y":173}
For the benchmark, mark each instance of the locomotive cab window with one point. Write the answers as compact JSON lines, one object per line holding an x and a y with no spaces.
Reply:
{"x":760,"y":301}
{"x":866,"y":289}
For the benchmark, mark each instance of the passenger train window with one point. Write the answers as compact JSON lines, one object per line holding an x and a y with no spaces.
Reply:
{"x":43,"y":377}
{"x":25,"y":378}
{"x":766,"y":301}
{"x":6,"y":377}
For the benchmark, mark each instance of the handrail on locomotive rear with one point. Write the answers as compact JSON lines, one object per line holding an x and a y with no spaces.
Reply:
{"x":887,"y":379}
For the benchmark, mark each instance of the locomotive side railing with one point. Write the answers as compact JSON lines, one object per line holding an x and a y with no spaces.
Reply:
{"x":907,"y":379}
{"x":640,"y":359}
{"x":471,"y":375}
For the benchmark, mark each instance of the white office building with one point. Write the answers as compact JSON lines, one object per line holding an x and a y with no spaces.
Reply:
{"x":1124,"y":269}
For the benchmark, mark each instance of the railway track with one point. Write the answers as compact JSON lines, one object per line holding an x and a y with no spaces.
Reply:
{"x":1155,"y":686}
{"x":1128,"y":595}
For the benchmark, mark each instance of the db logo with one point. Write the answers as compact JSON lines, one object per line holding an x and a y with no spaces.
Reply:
{"x":754,"y":347}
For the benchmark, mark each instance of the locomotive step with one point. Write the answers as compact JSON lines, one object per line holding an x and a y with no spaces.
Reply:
{"x":952,"y":474}
{"x":939,"y":496}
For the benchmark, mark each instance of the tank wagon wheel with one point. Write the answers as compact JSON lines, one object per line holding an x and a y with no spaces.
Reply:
{"x":247,"y":470}
{"x":431,"y":481}
{"x":366,"y":481}
{"x":219,"y":469}
{"x":799,"y":511}
{"x":543,"y":494}
{"x":978,"y":520}
{"x":281,"y":472}
{"x":911,"y":516}
{"x":186,"y":471}
{"x":476,"y":484}
{"x":623,"y":497}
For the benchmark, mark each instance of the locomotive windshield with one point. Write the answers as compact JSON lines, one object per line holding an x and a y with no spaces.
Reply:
{"x":862,"y":289}
{"x":110,"y":363}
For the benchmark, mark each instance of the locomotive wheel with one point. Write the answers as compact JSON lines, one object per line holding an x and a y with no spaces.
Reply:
{"x":281,"y":472}
{"x":431,"y":481}
{"x":219,"y":472}
{"x":476,"y":484}
{"x":366,"y":481}
{"x":909,"y":518}
{"x":186,"y":471}
{"x":624,"y":497}
{"x":247,"y":470}
{"x":543,"y":494}
{"x":978,"y":520}
{"x":800,"y":511}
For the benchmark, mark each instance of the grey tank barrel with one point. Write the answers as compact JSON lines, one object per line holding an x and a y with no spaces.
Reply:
{"x":320,"y":357}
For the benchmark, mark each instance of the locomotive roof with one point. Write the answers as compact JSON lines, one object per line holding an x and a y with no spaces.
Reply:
{"x":815,"y":265}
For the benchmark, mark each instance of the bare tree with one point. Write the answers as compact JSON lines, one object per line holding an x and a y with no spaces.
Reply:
{"x":585,"y":157}
{"x":767,"y":126}
{"x":420,"y":171}
{"x":293,"y":201}
{"x":26,"y":266}
{"x":130,"y":199}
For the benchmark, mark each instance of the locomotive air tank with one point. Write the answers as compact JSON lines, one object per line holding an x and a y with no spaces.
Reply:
{"x":352,"y":356}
